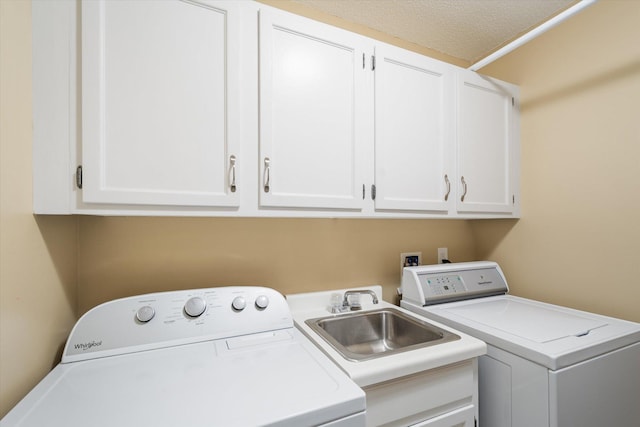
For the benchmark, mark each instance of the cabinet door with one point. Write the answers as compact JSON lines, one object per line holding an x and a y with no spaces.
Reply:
{"x":413,"y":131}
{"x":461,"y":417}
{"x":159,"y":104}
{"x":487,"y":144}
{"x":313,"y":119}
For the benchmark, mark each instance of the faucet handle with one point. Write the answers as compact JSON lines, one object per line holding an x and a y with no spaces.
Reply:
{"x":336,"y":303}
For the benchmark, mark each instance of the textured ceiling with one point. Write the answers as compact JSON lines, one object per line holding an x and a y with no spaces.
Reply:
{"x":465,"y":29}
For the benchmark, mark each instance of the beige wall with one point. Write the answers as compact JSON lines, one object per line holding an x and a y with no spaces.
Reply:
{"x":37,"y":257}
{"x":580,"y":86}
{"x":127,"y":256}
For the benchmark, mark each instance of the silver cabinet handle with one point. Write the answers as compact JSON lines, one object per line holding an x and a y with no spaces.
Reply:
{"x":232,"y":173}
{"x":464,"y":185}
{"x":267,"y":172}
{"x":446,"y":180}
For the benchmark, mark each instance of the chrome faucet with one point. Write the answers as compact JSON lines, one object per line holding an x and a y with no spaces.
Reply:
{"x":356,"y":305}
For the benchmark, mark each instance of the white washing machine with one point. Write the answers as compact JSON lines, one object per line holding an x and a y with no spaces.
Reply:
{"x":225,"y":356}
{"x":546,"y":365}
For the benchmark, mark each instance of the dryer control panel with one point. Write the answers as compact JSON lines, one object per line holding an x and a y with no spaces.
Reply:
{"x":434,"y":284}
{"x":166,"y":319}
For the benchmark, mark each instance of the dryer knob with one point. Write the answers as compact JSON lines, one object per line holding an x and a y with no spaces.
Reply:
{"x":262,"y":302}
{"x":194,"y":307}
{"x":144,"y":314}
{"x":239,"y":303}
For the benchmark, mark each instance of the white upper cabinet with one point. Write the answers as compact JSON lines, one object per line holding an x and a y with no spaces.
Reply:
{"x":487,"y":149}
{"x":314,"y":103}
{"x":413,"y":131}
{"x":235,"y":108}
{"x":160,"y":112}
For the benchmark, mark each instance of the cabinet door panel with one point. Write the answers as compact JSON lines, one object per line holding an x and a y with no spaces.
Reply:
{"x":311,"y":118}
{"x":413,"y":109}
{"x":486,"y":144}
{"x":462,"y":417}
{"x":159,"y":109}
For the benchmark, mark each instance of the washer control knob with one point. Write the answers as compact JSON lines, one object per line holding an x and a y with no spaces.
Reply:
{"x":144,"y":314}
{"x":239,"y":303}
{"x":262,"y":302}
{"x":194,"y":307}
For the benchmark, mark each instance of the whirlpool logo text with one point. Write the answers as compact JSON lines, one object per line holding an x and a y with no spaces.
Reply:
{"x":87,"y":345}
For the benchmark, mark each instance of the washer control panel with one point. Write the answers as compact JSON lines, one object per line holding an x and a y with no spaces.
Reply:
{"x":443,"y":284}
{"x":433,"y":284}
{"x":166,"y":319}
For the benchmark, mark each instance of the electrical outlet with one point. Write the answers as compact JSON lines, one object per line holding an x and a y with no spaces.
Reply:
{"x":410,"y":259}
{"x":443,"y":253}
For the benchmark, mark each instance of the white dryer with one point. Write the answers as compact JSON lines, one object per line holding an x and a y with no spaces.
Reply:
{"x":546,"y":365}
{"x":225,"y":356}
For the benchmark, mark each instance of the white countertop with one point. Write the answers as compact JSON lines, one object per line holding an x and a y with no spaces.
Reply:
{"x":367,"y":372}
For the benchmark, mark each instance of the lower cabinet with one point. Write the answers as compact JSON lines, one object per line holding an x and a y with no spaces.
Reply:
{"x":463,"y":417}
{"x":442,"y":397}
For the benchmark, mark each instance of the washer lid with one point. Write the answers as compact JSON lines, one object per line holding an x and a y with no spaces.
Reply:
{"x":531,"y":322}
{"x":550,"y":335}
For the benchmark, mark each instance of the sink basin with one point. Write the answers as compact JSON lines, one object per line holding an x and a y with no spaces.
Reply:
{"x":371,"y":334}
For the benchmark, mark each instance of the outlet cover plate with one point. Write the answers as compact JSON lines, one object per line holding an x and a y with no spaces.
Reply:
{"x":410,"y":259}
{"x":443,"y":253}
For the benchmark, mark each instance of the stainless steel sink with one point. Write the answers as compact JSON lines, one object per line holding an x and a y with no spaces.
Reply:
{"x":371,"y":334}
